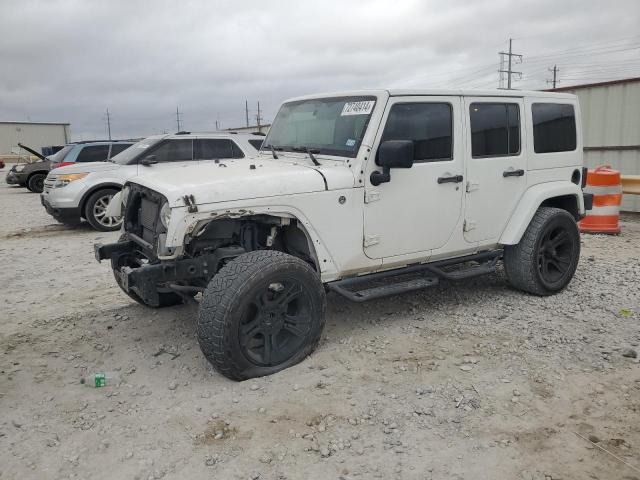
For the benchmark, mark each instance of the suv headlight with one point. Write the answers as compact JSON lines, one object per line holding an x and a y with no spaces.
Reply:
{"x":64,"y":180}
{"x":165,"y":214}
{"x":19,"y":167}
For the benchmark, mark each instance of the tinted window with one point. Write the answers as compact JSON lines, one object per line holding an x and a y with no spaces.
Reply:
{"x":428,"y":125}
{"x":256,"y":144}
{"x":173,"y":151}
{"x":554,"y":127}
{"x":208,"y":149}
{"x":495,"y":129}
{"x":93,"y":153}
{"x":116,"y":148}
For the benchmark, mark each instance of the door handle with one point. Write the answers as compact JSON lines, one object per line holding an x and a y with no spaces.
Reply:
{"x":513,"y":173}
{"x":453,"y":179}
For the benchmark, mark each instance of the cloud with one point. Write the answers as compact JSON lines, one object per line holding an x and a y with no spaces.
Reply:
{"x":70,"y":60}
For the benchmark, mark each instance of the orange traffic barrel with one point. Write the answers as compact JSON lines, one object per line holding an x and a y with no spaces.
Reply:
{"x":606,"y":186}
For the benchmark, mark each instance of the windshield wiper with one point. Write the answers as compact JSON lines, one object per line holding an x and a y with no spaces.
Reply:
{"x":273,"y":152}
{"x":309,"y":152}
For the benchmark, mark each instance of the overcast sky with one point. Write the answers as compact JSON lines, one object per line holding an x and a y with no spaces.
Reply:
{"x":71,"y":60}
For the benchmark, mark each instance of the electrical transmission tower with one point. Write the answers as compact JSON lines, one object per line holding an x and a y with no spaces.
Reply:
{"x":178,"y":115}
{"x":258,"y":117}
{"x":507,"y":60}
{"x":555,"y":80}
{"x":109,"y":123}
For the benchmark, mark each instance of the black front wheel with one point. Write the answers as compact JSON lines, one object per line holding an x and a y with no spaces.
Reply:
{"x":35,"y":183}
{"x":545,"y":259}
{"x":263,"y":312}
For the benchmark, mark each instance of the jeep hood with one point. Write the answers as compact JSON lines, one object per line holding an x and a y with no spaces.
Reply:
{"x":249,"y":178}
{"x":85,"y":167}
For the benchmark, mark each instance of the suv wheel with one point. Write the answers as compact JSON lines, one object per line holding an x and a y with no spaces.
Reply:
{"x":262,"y":312}
{"x":35,"y":183}
{"x":96,"y":207}
{"x":546,"y":258}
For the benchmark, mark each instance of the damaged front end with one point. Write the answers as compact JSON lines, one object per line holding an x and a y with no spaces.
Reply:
{"x":145,"y":268}
{"x":135,"y":257}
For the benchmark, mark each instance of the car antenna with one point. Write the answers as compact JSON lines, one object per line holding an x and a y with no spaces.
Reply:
{"x":273,"y":152}
{"x":312,"y":157}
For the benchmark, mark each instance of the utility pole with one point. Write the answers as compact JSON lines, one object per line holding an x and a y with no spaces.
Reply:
{"x":109,"y":124}
{"x":555,"y":71}
{"x":178,"y":118}
{"x":258,"y":117}
{"x":509,"y":61}
{"x":246,"y":110}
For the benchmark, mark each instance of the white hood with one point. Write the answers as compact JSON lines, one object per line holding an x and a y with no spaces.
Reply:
{"x":85,"y":167}
{"x":256,"y":177}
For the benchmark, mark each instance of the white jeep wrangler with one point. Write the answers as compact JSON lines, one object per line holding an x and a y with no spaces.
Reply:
{"x":363,"y":193}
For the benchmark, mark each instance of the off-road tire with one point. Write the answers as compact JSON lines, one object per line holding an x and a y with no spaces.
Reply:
{"x":226,"y":297}
{"x":522,"y":262}
{"x":166,"y":299}
{"x":35,"y":183}
{"x":89,"y":210}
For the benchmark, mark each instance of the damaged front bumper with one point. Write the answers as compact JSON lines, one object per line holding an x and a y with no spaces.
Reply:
{"x":149,"y":279}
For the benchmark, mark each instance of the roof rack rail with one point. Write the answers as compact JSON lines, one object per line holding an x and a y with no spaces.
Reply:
{"x":183,"y":132}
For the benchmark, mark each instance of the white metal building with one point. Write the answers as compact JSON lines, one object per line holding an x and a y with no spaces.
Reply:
{"x":611,"y":127}
{"x":32,"y":134}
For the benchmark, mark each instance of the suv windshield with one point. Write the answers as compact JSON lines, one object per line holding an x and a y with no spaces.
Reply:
{"x":330,"y":126}
{"x":60,"y":154}
{"x":130,"y":154}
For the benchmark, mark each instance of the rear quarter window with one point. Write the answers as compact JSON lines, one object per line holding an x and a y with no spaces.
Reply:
{"x":554,"y":127}
{"x":256,"y":144}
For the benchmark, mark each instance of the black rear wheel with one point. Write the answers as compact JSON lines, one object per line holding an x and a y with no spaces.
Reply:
{"x":262,"y":312}
{"x":546,"y":258}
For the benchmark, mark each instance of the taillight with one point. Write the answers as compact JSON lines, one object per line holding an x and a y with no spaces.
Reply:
{"x":585,"y":171}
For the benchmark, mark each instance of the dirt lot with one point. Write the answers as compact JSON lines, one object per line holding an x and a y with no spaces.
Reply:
{"x":469,"y":380}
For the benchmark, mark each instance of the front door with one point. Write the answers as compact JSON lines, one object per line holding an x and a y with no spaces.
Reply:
{"x":418,"y":209}
{"x":496,"y":167}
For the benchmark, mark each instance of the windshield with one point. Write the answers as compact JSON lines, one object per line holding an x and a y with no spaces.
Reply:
{"x":60,"y":154}
{"x":330,"y":126}
{"x":130,"y":155}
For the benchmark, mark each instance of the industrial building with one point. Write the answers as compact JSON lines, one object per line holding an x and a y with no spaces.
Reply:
{"x":611,"y":127}
{"x":33,"y":134}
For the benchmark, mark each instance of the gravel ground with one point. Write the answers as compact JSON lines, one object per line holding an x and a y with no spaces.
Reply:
{"x":467,"y":380}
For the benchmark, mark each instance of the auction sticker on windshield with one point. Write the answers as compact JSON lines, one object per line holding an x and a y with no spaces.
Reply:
{"x":358,"y":108}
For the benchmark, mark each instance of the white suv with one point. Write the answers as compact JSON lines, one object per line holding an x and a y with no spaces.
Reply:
{"x":72,"y":193}
{"x":365,"y":194}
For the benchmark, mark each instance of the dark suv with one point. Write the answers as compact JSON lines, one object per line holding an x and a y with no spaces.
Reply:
{"x":32,"y":175}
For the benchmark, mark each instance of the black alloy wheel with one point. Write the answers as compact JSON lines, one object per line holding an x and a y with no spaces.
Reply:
{"x":275,"y":322}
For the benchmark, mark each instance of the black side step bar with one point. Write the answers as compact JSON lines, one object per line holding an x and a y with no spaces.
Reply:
{"x":424,"y":275}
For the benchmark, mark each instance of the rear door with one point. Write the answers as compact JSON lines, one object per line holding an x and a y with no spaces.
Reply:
{"x":496,"y":166}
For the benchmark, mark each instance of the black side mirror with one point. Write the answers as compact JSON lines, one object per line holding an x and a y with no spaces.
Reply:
{"x":392,"y":154}
{"x":148,"y":160}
